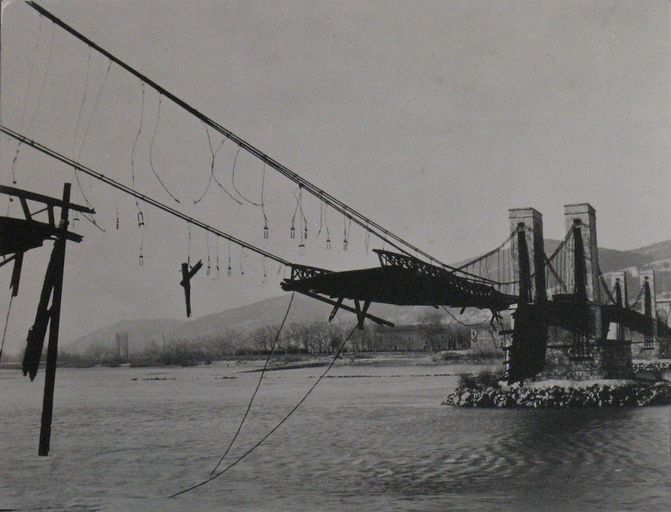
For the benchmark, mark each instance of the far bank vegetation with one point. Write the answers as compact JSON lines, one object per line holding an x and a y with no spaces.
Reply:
{"x":296,"y":341}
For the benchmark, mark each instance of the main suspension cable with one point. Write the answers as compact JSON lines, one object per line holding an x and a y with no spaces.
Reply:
{"x":258,"y":385}
{"x":382,"y":233}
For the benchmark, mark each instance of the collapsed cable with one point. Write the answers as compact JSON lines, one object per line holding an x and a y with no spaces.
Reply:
{"x":4,"y":331}
{"x":258,"y":385}
{"x":277,"y":426}
{"x":151,"y":151}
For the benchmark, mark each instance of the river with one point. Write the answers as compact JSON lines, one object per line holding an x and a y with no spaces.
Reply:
{"x":368,"y":438}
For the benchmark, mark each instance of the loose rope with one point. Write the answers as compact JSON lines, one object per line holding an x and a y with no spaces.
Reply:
{"x":258,"y":385}
{"x":271,"y":431}
{"x":151,"y":153}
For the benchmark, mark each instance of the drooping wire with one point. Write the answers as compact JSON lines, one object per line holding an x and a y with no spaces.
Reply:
{"x":326,"y":224}
{"x":388,"y":237}
{"x":116,"y":208}
{"x":25,"y":101}
{"x":229,"y":270}
{"x":347,"y":226}
{"x":208,"y":269}
{"x":235,"y":161}
{"x":302,"y":220}
{"x":4,"y":331}
{"x":85,"y":136}
{"x":141,"y":256}
{"x":258,"y":385}
{"x":222,"y":187}
{"x":216,"y":266}
{"x":276,"y":427}
{"x":243,"y":256}
{"x":367,"y":240}
{"x":188,"y":245}
{"x":81,"y":109}
{"x":265,"y":274}
{"x":76,"y":135}
{"x":140,"y":214}
{"x":292,"y":229}
{"x":39,"y":100}
{"x":213,"y":155}
{"x":266,"y":229}
{"x":151,"y":152}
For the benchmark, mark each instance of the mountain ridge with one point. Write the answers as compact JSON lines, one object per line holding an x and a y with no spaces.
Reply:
{"x":244,"y":319}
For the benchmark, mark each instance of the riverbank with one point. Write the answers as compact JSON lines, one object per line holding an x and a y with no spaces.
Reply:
{"x":281,"y":361}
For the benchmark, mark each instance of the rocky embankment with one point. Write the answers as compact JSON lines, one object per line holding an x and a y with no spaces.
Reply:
{"x":595,"y":395}
{"x":487,"y":390}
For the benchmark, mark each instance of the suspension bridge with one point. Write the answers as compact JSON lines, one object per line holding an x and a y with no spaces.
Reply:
{"x":559,"y":301}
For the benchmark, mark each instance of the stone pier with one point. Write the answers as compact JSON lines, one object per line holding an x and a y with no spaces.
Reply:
{"x":608,"y":352}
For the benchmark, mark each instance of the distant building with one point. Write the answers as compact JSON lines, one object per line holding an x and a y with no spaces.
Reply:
{"x":420,"y":337}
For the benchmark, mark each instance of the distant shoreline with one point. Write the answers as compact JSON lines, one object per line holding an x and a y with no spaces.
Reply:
{"x":290,"y":361}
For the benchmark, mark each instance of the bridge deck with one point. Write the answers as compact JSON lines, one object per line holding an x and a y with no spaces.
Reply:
{"x":401,"y":285}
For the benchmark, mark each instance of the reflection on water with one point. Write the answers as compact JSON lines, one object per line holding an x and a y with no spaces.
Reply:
{"x":380,"y":443}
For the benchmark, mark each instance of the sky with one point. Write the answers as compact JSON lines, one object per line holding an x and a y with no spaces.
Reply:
{"x":432,"y":118}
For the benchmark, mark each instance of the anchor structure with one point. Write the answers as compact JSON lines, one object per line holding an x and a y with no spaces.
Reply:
{"x":17,"y":236}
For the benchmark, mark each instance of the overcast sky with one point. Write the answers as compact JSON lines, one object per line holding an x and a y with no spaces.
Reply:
{"x":433,"y":118}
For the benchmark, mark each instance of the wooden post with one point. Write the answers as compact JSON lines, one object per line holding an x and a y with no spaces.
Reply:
{"x":54,"y":321}
{"x":187,"y":275}
{"x":186,"y":283}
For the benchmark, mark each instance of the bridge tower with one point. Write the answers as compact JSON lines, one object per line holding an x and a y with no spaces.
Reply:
{"x":583,"y":217}
{"x":647,"y":280}
{"x":530,"y":222}
{"x":618,"y":283}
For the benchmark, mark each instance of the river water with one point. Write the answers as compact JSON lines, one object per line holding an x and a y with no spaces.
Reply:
{"x":368,"y":438}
